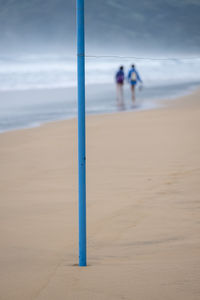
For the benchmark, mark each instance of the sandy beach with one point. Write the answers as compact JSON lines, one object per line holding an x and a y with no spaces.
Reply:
{"x":143,"y":208}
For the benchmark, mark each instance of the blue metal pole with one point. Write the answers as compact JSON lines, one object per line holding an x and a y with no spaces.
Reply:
{"x":81,"y":132}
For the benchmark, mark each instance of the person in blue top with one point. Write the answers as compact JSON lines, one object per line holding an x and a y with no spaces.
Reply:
{"x":119,"y":78}
{"x":133,"y":79}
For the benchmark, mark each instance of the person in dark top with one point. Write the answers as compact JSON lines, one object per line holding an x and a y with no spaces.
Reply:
{"x":119,"y":78}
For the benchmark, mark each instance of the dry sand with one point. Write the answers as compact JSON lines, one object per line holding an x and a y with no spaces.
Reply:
{"x":143,"y":208}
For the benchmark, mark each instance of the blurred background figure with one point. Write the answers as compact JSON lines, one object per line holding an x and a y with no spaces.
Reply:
{"x":120,"y":82}
{"x":133,"y":79}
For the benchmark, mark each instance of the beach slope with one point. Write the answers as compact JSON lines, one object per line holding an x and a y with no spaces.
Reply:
{"x":143,"y":208}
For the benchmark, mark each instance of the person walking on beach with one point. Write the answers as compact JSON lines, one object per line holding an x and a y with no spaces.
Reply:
{"x":133,"y":79}
{"x":120,"y":82}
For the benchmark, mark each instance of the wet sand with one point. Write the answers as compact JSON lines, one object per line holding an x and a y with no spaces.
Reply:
{"x":143,"y":208}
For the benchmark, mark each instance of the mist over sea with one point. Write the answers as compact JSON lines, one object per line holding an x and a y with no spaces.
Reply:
{"x":54,"y":71}
{"x":41,"y":88}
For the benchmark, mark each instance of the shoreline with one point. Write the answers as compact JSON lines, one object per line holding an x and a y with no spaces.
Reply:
{"x":154,"y":104}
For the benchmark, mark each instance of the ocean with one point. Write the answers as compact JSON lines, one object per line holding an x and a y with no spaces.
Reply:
{"x":36,"y":89}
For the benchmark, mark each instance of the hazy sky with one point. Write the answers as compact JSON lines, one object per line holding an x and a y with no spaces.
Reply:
{"x":112,"y":26}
